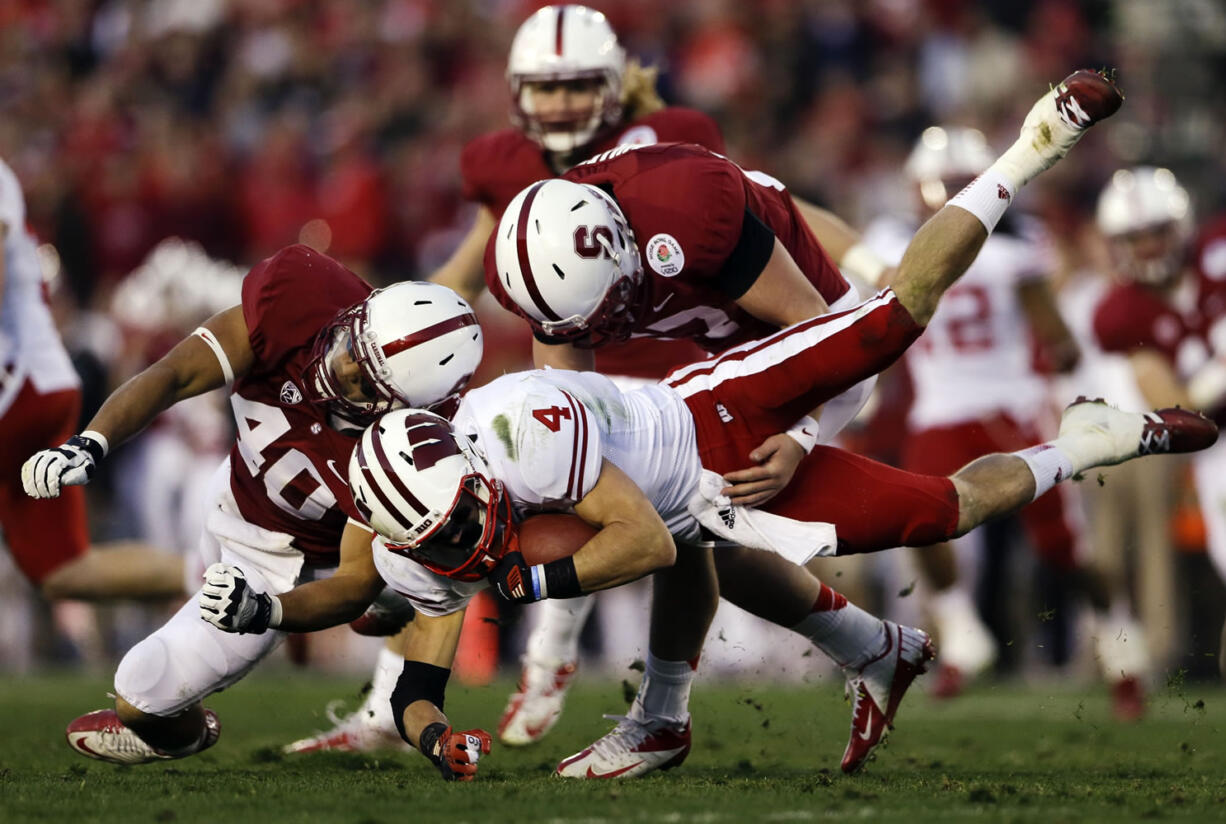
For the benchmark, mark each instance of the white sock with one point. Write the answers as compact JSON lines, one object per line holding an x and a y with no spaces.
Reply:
{"x":1119,"y":644}
{"x":846,"y":633}
{"x":555,"y":636}
{"x":1050,"y":464}
{"x":665,"y":691}
{"x":987,"y":197}
{"x":377,"y":708}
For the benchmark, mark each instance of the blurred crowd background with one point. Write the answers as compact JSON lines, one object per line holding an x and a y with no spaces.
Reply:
{"x":240,"y":126}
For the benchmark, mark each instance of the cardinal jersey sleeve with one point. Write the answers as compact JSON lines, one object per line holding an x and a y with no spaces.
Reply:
{"x":1129,"y":318}
{"x":290,"y":296}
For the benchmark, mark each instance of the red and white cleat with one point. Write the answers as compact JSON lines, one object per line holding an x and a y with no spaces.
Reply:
{"x":1060,"y":117}
{"x":1128,"y":699}
{"x":1119,"y":436}
{"x":356,"y":732}
{"x":630,"y":749}
{"x":101,"y":735}
{"x":877,"y":690}
{"x":535,"y":708}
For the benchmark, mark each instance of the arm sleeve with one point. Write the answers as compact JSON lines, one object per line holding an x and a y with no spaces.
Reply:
{"x":560,"y":441}
{"x":748,"y":258}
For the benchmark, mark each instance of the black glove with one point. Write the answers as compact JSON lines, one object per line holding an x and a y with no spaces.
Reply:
{"x":513,"y":579}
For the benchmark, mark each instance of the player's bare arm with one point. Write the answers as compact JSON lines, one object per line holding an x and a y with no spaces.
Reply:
{"x":1156,"y":379}
{"x":191,"y":368}
{"x":781,"y":295}
{"x":429,"y":651}
{"x":633,"y":540}
{"x":464,"y":272}
{"x":340,"y":597}
{"x":1038,"y":302}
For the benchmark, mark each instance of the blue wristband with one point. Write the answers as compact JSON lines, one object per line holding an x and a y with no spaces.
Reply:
{"x":540,"y":589}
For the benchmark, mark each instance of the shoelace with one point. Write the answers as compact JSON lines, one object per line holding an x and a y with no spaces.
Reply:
{"x":121,"y":741}
{"x":623,"y":738}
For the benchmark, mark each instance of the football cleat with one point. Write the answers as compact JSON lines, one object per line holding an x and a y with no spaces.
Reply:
{"x":878,"y":687}
{"x":533,"y":710}
{"x":1128,"y":699}
{"x":1119,"y":436}
{"x":387,"y":615}
{"x":1060,"y":117}
{"x":356,"y":732}
{"x":630,"y":749}
{"x":101,"y":735}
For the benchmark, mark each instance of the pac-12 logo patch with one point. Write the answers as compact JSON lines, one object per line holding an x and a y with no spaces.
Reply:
{"x":290,"y":393}
{"x":664,"y":255}
{"x":638,"y":136}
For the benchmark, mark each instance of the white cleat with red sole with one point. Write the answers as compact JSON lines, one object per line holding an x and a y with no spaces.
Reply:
{"x":630,"y":749}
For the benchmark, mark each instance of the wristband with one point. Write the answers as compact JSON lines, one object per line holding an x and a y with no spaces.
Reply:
{"x":556,"y":579}
{"x":275,"y":612}
{"x":99,"y":439}
{"x":862,"y":262}
{"x":805,"y":433}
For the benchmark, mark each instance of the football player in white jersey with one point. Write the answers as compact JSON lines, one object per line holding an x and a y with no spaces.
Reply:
{"x":40,"y":400}
{"x":977,"y":391}
{"x":644,"y":468}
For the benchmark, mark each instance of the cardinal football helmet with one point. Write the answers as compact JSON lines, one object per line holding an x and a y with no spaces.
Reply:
{"x":424,"y":488}
{"x":417,"y":344}
{"x":944,"y":160}
{"x":567,"y":257}
{"x":1146,"y":217}
{"x":558,"y":44}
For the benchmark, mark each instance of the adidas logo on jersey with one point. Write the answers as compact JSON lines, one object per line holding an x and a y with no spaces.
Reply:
{"x":724,"y":414}
{"x":290,"y":393}
{"x":728,"y":516}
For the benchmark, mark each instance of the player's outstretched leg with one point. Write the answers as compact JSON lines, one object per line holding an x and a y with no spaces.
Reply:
{"x":946,"y":245}
{"x":101,"y":735}
{"x":1092,"y":434}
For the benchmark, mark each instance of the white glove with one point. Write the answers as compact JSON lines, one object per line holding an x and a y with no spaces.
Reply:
{"x":70,"y":464}
{"x":228,"y":602}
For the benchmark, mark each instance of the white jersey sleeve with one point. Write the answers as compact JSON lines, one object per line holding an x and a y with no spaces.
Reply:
{"x":558,"y":447}
{"x":12,"y":202}
{"x":431,"y":594}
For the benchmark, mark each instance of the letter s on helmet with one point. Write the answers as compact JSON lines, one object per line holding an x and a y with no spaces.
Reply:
{"x":424,"y":488}
{"x":568,"y":259}
{"x":560,"y":43}
{"x":417,"y":345}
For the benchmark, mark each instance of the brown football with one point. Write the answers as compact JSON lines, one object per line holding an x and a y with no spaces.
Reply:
{"x":548,"y":537}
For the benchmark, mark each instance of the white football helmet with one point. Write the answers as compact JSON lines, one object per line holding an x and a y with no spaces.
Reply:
{"x":417,"y":344}
{"x":1146,"y":217}
{"x":567,"y":257}
{"x":944,"y":160}
{"x":424,"y":488}
{"x":561,"y":43}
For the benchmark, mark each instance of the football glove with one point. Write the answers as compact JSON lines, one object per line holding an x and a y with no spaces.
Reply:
{"x":454,"y":753}
{"x":228,"y":602}
{"x":513,"y":579}
{"x":70,"y":464}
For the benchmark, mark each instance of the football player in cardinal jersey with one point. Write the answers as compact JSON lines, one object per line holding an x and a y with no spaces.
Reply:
{"x":574,"y":94}
{"x":976,"y":391}
{"x":646,"y":468}
{"x":40,"y":400}
{"x":310,"y":356}
{"x":1169,"y":320}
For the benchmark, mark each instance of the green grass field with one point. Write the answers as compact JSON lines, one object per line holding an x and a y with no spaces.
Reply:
{"x":761,"y":754}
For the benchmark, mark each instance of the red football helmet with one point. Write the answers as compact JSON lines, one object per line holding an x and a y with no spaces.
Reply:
{"x":424,"y":488}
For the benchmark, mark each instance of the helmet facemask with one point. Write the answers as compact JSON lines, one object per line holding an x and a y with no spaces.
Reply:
{"x":467,"y":542}
{"x":565,"y":136}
